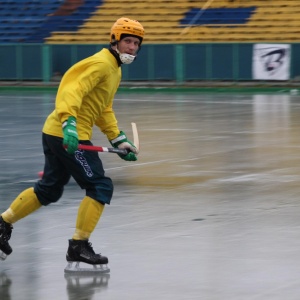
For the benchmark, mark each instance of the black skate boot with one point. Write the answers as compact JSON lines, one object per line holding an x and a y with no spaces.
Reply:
{"x":82,"y":252}
{"x":5,"y":234}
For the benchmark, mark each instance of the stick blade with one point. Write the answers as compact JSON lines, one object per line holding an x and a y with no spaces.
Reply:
{"x":136,"y":141}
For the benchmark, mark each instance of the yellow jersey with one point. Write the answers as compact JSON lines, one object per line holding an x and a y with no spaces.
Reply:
{"x":86,"y":92}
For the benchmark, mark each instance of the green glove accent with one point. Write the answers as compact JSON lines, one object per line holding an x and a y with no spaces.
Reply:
{"x":122,"y":142}
{"x":70,"y":135}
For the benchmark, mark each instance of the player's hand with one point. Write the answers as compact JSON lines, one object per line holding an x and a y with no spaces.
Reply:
{"x":122,"y":142}
{"x":70,"y":135}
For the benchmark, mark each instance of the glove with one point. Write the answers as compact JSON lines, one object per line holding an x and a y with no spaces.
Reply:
{"x":122,"y":142}
{"x":70,"y":135}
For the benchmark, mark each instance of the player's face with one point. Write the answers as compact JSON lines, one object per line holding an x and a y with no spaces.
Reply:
{"x":129,"y":45}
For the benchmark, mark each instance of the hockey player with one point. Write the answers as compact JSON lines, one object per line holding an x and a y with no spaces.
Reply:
{"x":84,"y":99}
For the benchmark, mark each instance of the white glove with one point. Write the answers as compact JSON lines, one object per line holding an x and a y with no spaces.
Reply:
{"x":129,"y":146}
{"x":122,"y":142}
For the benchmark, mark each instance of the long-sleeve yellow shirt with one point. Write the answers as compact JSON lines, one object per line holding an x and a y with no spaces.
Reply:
{"x":86,"y":92}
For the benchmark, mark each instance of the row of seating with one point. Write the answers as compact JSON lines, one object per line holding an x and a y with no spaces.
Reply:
{"x":230,"y":16}
{"x":245,"y":35}
{"x":184,"y":21}
{"x":171,"y":21}
{"x":35,"y":20}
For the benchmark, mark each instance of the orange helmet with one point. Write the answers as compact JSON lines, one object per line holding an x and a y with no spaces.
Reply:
{"x":128,"y":27}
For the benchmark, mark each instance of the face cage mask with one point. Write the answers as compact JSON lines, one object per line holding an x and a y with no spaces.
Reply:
{"x":125,"y":57}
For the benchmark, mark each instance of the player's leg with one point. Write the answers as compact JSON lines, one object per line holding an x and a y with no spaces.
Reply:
{"x":23,"y":205}
{"x":99,"y":188}
{"x":89,"y":213}
{"x":80,"y":249}
{"x":55,"y":174}
{"x":47,"y":190}
{"x":26,"y":203}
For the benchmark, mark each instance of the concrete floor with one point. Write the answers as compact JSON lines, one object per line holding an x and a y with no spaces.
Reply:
{"x":210,"y":210}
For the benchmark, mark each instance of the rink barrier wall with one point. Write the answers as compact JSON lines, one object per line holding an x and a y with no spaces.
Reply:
{"x":157,"y":62}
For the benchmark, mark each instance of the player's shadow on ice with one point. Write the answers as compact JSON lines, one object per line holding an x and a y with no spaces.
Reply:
{"x":5,"y":283}
{"x":80,"y":286}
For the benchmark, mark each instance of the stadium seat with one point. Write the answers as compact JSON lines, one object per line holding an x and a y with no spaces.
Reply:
{"x":170,"y":21}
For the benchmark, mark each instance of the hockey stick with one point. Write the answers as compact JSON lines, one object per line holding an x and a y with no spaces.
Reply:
{"x":97,"y":149}
{"x":102,"y":149}
{"x":136,"y":141}
{"x":114,"y":150}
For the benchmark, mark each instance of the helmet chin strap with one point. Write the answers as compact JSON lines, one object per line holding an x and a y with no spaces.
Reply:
{"x":125,"y":57}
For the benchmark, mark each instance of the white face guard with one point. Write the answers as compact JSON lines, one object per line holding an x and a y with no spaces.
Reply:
{"x":126,"y":58}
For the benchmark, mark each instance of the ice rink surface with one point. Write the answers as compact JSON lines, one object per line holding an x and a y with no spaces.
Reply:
{"x":210,"y":211}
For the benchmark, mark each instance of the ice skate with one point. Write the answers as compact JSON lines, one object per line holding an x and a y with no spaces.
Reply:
{"x":82,"y":258}
{"x":5,"y":234}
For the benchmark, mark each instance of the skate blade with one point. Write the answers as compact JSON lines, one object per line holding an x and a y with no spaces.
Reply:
{"x":74,"y":267}
{"x":3,"y":256}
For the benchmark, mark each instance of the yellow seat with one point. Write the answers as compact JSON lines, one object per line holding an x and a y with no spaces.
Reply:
{"x":273,"y":21}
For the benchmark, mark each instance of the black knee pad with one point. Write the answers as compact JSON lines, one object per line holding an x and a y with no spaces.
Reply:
{"x":102,"y":192}
{"x":46,"y":194}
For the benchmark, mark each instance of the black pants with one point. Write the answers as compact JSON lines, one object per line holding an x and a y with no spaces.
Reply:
{"x":84,"y":166}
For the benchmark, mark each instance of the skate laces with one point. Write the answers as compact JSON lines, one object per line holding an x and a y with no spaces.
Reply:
{"x":89,"y":247}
